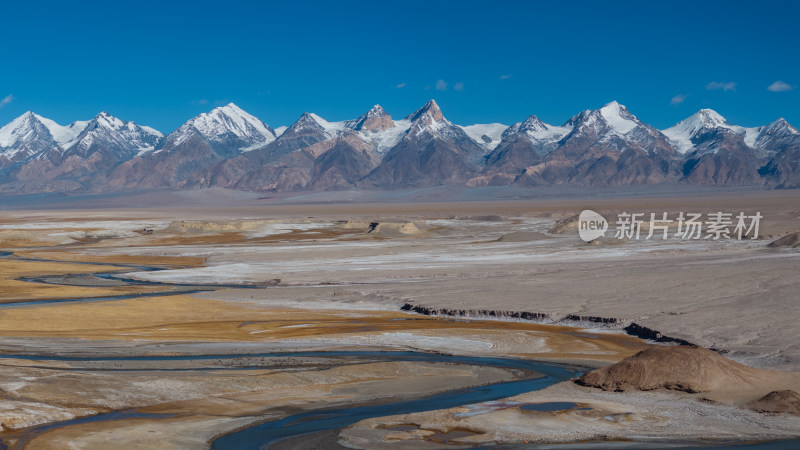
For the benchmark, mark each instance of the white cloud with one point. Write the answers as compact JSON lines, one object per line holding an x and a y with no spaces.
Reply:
{"x":441,"y":85}
{"x":401,"y":86}
{"x":678,"y":99}
{"x":724,"y":85}
{"x":202,"y":101}
{"x":505,"y":77}
{"x":8,"y":99}
{"x":780,"y":86}
{"x":459,"y":86}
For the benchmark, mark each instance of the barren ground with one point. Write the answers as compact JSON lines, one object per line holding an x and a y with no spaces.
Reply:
{"x":316,"y":277}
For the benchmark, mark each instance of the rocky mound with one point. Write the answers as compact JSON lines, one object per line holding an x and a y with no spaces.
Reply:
{"x":791,"y":240}
{"x":393,"y":229}
{"x":778,"y":402}
{"x":523,"y":236}
{"x":682,"y":368}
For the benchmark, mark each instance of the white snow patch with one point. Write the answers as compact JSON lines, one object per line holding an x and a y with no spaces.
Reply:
{"x":612,"y":113}
{"x":62,"y":134}
{"x":384,"y":140}
{"x":493,"y":131}
{"x":333,"y":129}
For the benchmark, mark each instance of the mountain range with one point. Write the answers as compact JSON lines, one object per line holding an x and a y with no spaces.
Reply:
{"x":227,"y":147}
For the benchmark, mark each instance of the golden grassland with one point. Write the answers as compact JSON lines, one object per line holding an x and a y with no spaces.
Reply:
{"x":187,"y":318}
{"x":140,"y":260}
{"x":13,"y":289}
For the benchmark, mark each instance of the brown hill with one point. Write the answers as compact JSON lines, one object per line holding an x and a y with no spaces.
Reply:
{"x":778,"y":402}
{"x":681,"y":368}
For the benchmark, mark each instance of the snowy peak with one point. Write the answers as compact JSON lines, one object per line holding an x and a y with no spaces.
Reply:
{"x":24,"y":128}
{"x":227,"y":125}
{"x":312,"y":124}
{"x":780,"y":126}
{"x":533,"y":125}
{"x":376,"y":119}
{"x":377,"y":128}
{"x":696,"y":128}
{"x":708,"y":118}
{"x":612,"y":120}
{"x":430,"y":122}
{"x":124,"y":138}
{"x":777,"y":135}
{"x":30,"y":125}
{"x":703,"y":120}
{"x":30,"y":134}
{"x":684,"y":135}
{"x":107,"y":120}
{"x":536,"y":131}
{"x":611,"y":128}
{"x":617,"y":117}
{"x":430,"y":112}
{"x":308,"y":123}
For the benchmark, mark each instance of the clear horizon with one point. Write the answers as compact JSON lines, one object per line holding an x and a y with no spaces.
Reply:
{"x":161,"y":65}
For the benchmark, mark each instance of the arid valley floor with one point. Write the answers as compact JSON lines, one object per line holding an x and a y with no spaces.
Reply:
{"x":197,"y":326}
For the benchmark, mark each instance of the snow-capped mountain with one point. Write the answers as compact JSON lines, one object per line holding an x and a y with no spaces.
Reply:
{"x":207,"y":139}
{"x":376,"y":119}
{"x":777,"y":136}
{"x":310,"y":153}
{"x":539,"y":136}
{"x":608,"y":146}
{"x":79,"y":156}
{"x":612,"y":119}
{"x":31,"y":134}
{"x":429,"y":122}
{"x":432,"y":152}
{"x":611,"y":128}
{"x":228,"y":129}
{"x":692,"y":131}
{"x":377,"y":128}
{"x":107,"y":133}
{"x":307,"y":130}
{"x":717,"y":152}
{"x":521,"y":145}
{"x":537,"y":131}
{"x":374,"y":127}
{"x":230,"y":148}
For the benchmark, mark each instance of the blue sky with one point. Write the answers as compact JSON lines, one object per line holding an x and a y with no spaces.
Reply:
{"x":161,"y":63}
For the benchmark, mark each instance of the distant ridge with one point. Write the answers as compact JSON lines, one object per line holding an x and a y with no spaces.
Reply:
{"x":229,"y":148}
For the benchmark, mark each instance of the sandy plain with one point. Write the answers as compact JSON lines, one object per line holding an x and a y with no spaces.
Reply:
{"x":283,"y":277}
